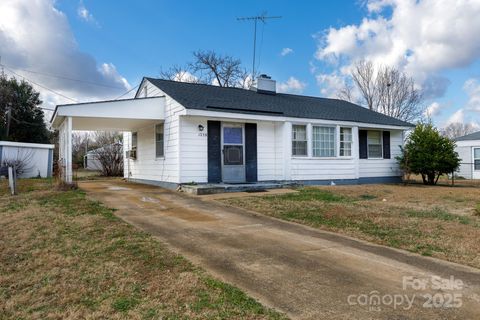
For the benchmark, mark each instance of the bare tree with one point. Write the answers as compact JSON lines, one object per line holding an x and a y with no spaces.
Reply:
{"x":209,"y":67}
{"x":109,"y":153}
{"x":386,"y":90}
{"x":178,"y":73}
{"x":80,"y":143}
{"x":458,"y":129}
{"x":21,"y":161}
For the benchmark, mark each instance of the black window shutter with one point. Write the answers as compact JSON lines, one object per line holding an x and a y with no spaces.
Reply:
{"x":386,"y":145}
{"x":362,"y":143}
{"x":214,"y":152}
{"x":251,"y":152}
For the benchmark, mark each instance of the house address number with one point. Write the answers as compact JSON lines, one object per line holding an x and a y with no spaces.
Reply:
{"x":202,"y":134}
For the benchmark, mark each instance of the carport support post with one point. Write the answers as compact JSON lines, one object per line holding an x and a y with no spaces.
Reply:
{"x":68,"y":151}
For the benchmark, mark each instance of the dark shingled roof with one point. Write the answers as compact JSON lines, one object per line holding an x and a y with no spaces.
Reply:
{"x":236,"y":100}
{"x":471,"y":136}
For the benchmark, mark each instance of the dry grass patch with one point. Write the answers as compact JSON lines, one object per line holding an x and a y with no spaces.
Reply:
{"x":433,"y":221}
{"x":63,"y":256}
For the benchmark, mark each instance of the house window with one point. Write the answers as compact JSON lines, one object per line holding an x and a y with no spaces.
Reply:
{"x":134,"y":140}
{"x":323,"y":142}
{"x":299,"y":140}
{"x":159,"y":140}
{"x":374,"y":140}
{"x":476,"y":159}
{"x":345,"y":142}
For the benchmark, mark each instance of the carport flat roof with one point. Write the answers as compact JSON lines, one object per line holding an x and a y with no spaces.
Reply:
{"x":126,"y":114}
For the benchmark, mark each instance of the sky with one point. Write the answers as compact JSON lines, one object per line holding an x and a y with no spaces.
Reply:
{"x":87,"y":50}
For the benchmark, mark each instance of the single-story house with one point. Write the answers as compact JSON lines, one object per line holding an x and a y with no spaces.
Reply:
{"x":178,"y":133}
{"x":36,"y":160}
{"x":468,"y":148}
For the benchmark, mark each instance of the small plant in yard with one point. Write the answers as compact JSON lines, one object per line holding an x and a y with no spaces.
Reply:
{"x":124,"y":304}
{"x":367,"y":197}
{"x":428,"y":154}
{"x":477,"y":209}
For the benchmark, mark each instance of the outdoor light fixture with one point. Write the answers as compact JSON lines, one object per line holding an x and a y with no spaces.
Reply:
{"x":200,"y":127}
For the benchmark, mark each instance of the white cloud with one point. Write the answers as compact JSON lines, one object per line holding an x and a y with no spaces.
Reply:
{"x":36,"y":36}
{"x":457,"y":117}
{"x":84,"y":14}
{"x":469,"y":112}
{"x":286,"y":51}
{"x":292,"y":85}
{"x":330,"y":84}
{"x":420,"y":37}
{"x":433,"y":110}
{"x":472,"y":88}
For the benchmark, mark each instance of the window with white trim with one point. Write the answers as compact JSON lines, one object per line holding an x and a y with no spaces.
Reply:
{"x":374,"y":141}
{"x":299,"y":140}
{"x":476,"y":159}
{"x":345,"y":142}
{"x":323,"y":141}
{"x":134,"y":140}
{"x":159,"y":140}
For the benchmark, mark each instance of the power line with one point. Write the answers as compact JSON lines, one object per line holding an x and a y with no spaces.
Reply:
{"x":65,"y":78}
{"x":127,"y":92}
{"x":41,"y":86}
{"x":263,"y":17}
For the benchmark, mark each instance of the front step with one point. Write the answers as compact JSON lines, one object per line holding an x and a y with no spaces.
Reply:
{"x":203,"y":189}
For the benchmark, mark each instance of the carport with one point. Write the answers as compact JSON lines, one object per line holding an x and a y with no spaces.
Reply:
{"x":115,"y":115}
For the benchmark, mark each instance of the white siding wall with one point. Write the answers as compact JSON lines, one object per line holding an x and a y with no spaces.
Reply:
{"x":465,"y":152}
{"x":384,"y":167}
{"x":280,"y":147}
{"x":37,"y":159}
{"x":322,"y":169}
{"x":267,"y":163}
{"x":147,"y":166}
{"x":466,"y":167}
{"x":193,"y":154}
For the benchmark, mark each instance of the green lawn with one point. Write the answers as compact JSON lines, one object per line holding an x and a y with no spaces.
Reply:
{"x":64,"y":256}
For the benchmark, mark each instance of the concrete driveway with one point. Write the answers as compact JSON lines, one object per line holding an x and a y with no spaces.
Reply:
{"x":304,"y":272}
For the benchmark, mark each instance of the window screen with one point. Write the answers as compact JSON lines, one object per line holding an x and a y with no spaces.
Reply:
{"x":345,"y":142}
{"x":299,"y":140}
{"x":323,"y":142}
{"x":476,"y":159}
{"x":232,"y":135}
{"x":159,"y":140}
{"x":375,"y":144}
{"x":134,"y":140}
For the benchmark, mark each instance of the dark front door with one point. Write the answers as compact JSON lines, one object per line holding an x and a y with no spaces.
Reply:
{"x":233,"y":153}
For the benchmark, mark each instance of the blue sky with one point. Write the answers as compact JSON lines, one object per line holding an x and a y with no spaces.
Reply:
{"x":117,"y":43}
{"x":162,"y":33}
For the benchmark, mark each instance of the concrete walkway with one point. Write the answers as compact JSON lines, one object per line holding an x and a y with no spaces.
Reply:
{"x":307,"y":273}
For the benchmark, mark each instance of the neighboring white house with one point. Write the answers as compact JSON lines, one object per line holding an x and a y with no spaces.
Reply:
{"x":176,"y":133}
{"x":37,"y":158}
{"x":91,"y":161}
{"x":468,"y":148}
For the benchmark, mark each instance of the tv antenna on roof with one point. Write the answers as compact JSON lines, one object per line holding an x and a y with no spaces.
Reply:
{"x":263,"y":18}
